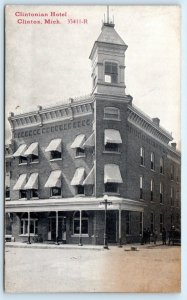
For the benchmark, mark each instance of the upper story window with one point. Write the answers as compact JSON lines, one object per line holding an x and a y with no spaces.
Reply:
{"x":152,"y":184}
{"x":161,"y":192}
{"x":32,"y":152}
{"x":78,"y":145}
{"x":161,"y":165}
{"x":20,"y":154}
{"x":142,"y":156}
{"x":111,"y":72}
{"x":152,"y":161}
{"x":54,"y":183}
{"x":112,"y":139}
{"x":141,"y":187}
{"x":172,"y":172}
{"x":55,"y":149}
{"x":111,"y":113}
{"x":22,"y":160}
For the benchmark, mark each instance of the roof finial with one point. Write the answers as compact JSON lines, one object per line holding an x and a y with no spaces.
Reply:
{"x":108,"y":14}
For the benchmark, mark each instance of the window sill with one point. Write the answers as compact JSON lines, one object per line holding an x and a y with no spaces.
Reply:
{"x":34,"y":162}
{"x":143,"y":166}
{"x":7,"y":199}
{"x":153,"y":170}
{"x":80,"y":195}
{"x":112,"y":119}
{"x":161,"y":203}
{"x":55,"y":159}
{"x":23,"y":199}
{"x":111,"y":194}
{"x":111,"y":152}
{"x":34,"y":198}
{"x":55,"y":197}
{"x":26,"y":235}
{"x":78,"y":235}
{"x":23,"y":164}
{"x":80,"y":156}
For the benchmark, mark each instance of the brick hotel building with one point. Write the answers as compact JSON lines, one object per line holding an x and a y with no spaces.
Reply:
{"x":69,"y":158}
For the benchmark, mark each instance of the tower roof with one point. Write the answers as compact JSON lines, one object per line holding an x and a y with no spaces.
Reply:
{"x":108,"y":35}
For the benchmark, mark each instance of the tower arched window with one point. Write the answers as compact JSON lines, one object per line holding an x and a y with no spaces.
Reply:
{"x":111,"y":72}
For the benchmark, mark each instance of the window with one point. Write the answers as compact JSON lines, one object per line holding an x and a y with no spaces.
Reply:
{"x":142,"y":156}
{"x":161,"y":165}
{"x":177,"y":174}
{"x":22,"y":194}
{"x":152,"y":161}
{"x":152,"y":222}
{"x":84,"y":223}
{"x":55,"y":191}
{"x":80,"y":152}
{"x":34,"y":193}
{"x":172,"y":172}
{"x":161,"y":222}
{"x":111,"y":113}
{"x":56,"y":154}
{"x":33,"y":226}
{"x":80,"y":189}
{"x":161,"y":192}
{"x":111,"y":72}
{"x":141,"y":187}
{"x":172,"y":196}
{"x":152,"y":189}
{"x":22,"y":160}
{"x":128,"y":222}
{"x":112,"y":147}
{"x":7,"y":192}
{"x":140,"y":222}
{"x":111,"y":187}
{"x":33,"y":158}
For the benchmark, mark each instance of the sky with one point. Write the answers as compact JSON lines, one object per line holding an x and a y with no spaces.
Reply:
{"x":49,"y":63}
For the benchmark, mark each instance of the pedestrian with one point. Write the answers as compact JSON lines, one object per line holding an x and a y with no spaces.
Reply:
{"x":155,"y":236}
{"x":163,"y":236}
{"x":144,"y":237}
{"x":148,"y":235}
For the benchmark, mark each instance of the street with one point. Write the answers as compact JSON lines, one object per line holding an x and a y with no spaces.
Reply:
{"x":154,"y":269}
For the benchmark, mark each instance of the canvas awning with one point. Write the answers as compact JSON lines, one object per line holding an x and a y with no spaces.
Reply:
{"x":32,"y":150}
{"x":90,"y":142}
{"x":54,"y":179}
{"x":90,"y":179}
{"x":112,"y":174}
{"x":32,"y":183}
{"x":21,"y":149}
{"x":78,"y":177}
{"x":78,"y":142}
{"x":54,"y":145}
{"x":112,"y":136}
{"x":20,"y":184}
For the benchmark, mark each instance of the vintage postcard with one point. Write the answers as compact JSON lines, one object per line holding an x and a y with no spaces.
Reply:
{"x":92,"y":152}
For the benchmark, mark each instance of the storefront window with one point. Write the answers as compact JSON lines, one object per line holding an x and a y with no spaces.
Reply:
{"x":84,"y":223}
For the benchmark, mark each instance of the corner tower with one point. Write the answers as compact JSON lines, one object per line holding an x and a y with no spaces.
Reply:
{"x":108,"y":62}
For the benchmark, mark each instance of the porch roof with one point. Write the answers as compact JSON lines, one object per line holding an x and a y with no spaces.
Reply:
{"x":72,"y":204}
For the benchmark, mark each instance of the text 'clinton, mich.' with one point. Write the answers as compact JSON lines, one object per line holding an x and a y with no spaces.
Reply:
{"x":49,"y":18}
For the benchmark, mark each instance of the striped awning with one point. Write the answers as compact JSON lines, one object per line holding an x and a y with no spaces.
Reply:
{"x":112,"y":174}
{"x":78,"y":177}
{"x":20,"y":151}
{"x":54,"y":179}
{"x":112,"y":136}
{"x":32,"y":183}
{"x":90,"y":179}
{"x":20,"y":184}
{"x":79,"y":141}
{"x":32,"y":150}
{"x":54,"y":145}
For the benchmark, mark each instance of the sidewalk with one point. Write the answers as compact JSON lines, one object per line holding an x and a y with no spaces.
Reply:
{"x":127,"y":247}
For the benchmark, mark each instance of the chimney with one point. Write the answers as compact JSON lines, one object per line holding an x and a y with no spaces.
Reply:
{"x":174,"y":145}
{"x":156,"y":121}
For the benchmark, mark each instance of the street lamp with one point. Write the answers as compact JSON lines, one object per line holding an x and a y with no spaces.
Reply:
{"x":105,"y":202}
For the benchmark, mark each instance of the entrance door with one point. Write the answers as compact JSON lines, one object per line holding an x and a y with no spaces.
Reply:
{"x":111,"y":226}
{"x":61,"y":228}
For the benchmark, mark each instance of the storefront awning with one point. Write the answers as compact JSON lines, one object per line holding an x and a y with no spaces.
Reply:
{"x":90,"y":179}
{"x":112,"y":174}
{"x":54,"y":145}
{"x":78,"y":177}
{"x":78,"y":142}
{"x":32,"y":150}
{"x":20,"y":150}
{"x":112,"y":136}
{"x":54,"y":179}
{"x":20,"y":184}
{"x":32,"y":183}
{"x":90,"y":142}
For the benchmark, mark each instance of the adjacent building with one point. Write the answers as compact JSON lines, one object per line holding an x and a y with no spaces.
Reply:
{"x":69,"y":159}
